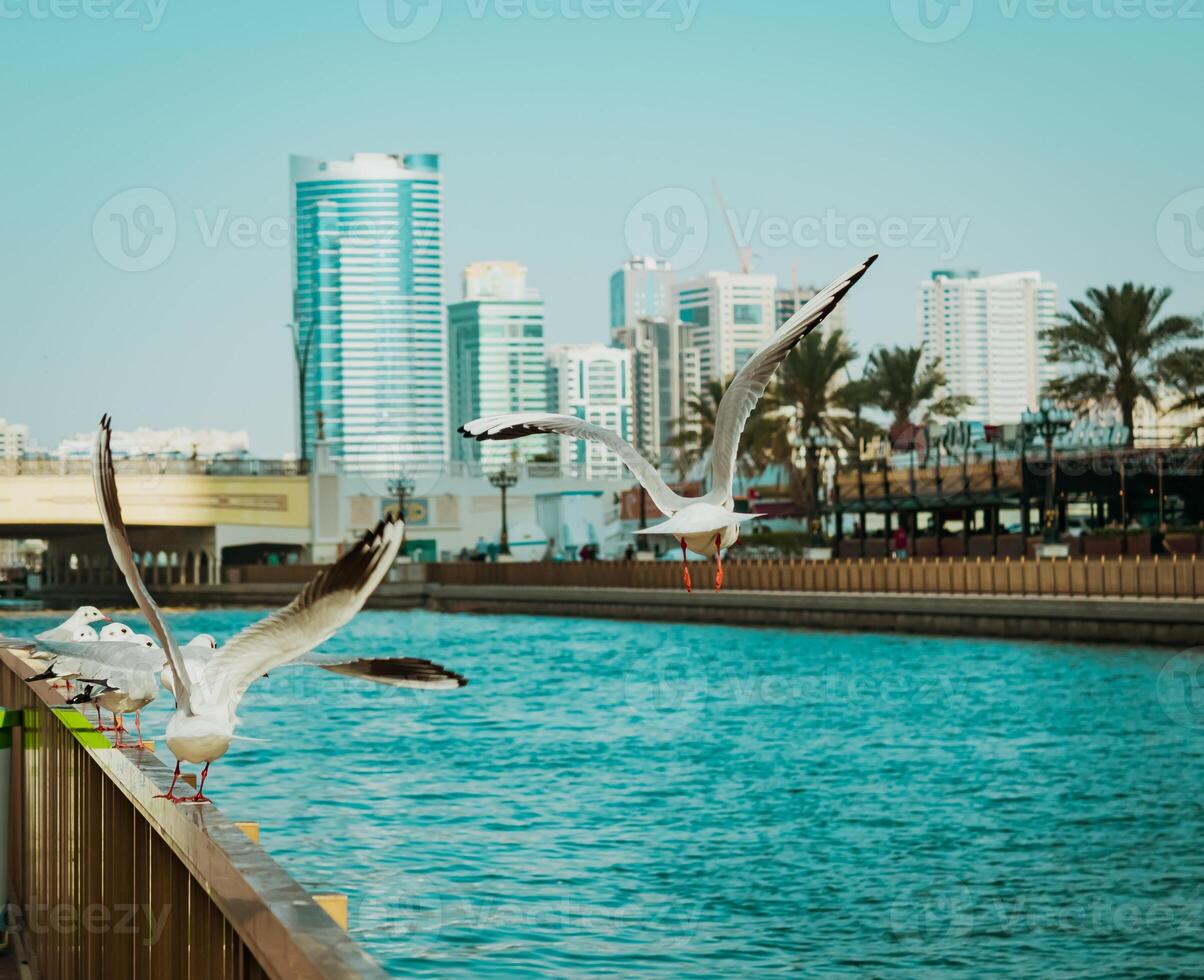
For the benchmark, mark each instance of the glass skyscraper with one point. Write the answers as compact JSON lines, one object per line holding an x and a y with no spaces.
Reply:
{"x":497,"y":359}
{"x":368,"y":325}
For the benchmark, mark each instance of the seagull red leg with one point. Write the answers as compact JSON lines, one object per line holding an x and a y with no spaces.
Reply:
{"x":170,"y":795}
{"x":200,"y":789}
{"x":685,"y":567}
{"x":718,"y":563}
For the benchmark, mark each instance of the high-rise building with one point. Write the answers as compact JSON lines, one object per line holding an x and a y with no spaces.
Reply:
{"x":642,"y":288}
{"x":727,"y":316}
{"x":368,"y":310}
{"x":790,"y":301}
{"x":643,"y":319}
{"x":591,"y":382}
{"x":14,"y":438}
{"x":497,"y":358}
{"x":664,"y":378}
{"x":986,"y":332}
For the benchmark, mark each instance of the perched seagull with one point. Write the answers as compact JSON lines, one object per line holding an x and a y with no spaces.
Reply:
{"x":124,"y":691}
{"x":705,"y":524}
{"x":83,"y":616}
{"x":202,"y":726}
{"x":115,"y":632}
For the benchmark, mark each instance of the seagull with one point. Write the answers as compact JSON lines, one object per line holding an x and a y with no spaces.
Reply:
{"x":83,"y":616}
{"x":706,"y":524}
{"x":202,"y":726}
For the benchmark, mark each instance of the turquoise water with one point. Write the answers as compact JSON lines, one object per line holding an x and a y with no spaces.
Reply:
{"x":646,"y":799}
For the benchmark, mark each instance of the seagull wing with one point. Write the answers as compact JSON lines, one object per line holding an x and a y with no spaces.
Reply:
{"x":395,"y":671}
{"x":751,"y":380}
{"x":515,"y":425}
{"x":100,"y":656}
{"x":329,"y":601}
{"x":105,"y":481}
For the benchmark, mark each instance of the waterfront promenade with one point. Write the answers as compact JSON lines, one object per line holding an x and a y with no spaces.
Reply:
{"x":1098,"y":600}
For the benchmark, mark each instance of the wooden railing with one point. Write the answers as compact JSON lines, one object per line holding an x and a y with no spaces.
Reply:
{"x":1083,"y":577}
{"x":113,"y":883}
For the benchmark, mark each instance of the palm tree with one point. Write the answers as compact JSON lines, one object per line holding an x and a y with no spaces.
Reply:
{"x":810,"y":405}
{"x":695,"y":431}
{"x":857,"y":395}
{"x":909,"y":389}
{"x":1117,"y":347}
{"x":1184,"y":372}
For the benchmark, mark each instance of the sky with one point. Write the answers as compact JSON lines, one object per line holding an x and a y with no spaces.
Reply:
{"x":997,"y":135}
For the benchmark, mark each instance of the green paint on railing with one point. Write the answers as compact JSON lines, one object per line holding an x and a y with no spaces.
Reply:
{"x":92,"y":740}
{"x":10,"y":717}
{"x":70,"y":717}
{"x":81,"y":729}
{"x":6,"y":738}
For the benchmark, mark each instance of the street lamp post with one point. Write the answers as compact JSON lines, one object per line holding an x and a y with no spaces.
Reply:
{"x":402,"y":487}
{"x":504,"y":479}
{"x":641,"y":540}
{"x":817,"y":440}
{"x":1047,"y":422}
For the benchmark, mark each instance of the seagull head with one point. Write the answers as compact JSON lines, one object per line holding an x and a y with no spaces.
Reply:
{"x":116,"y":631}
{"x":88,"y":614}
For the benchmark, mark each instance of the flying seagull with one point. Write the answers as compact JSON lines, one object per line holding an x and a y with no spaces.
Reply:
{"x":202,"y":726}
{"x":705,"y":524}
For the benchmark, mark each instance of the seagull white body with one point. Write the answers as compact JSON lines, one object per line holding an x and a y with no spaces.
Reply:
{"x":129,"y":690}
{"x":705,"y":524}
{"x":202,"y":726}
{"x":83,"y":616}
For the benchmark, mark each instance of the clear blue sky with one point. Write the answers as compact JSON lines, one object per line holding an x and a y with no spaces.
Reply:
{"x":1059,"y":141}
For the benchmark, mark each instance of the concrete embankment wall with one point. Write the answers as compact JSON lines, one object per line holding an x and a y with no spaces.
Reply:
{"x":1132,"y":622}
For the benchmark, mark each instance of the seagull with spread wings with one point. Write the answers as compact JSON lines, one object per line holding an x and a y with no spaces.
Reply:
{"x":208,"y":693}
{"x":706,"y":524}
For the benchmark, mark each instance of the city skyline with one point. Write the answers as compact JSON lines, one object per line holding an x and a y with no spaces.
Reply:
{"x":564,"y":184}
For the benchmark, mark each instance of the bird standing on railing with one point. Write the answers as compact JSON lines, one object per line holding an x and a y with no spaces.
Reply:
{"x":707,"y":524}
{"x":207,"y":695}
{"x":83,"y":616}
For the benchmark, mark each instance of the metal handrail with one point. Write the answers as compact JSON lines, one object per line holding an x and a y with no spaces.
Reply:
{"x":113,"y":882}
{"x":150,"y":466}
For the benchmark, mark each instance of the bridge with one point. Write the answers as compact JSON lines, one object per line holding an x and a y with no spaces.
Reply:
{"x":185,"y":516}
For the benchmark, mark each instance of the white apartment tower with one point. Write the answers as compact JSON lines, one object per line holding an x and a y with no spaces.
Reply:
{"x":496,"y":359}
{"x":790,"y":301}
{"x":727,"y":316}
{"x":986,"y":332}
{"x":14,"y":438}
{"x":642,"y":288}
{"x":664,"y":379}
{"x":591,"y":382}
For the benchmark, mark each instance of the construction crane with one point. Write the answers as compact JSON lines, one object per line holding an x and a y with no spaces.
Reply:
{"x":743,"y":252}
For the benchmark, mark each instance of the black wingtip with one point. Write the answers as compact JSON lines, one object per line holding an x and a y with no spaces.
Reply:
{"x":872,"y":259}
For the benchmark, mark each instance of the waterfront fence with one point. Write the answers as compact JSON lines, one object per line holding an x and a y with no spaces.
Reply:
{"x":111,"y":882}
{"x":1103,"y":576}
